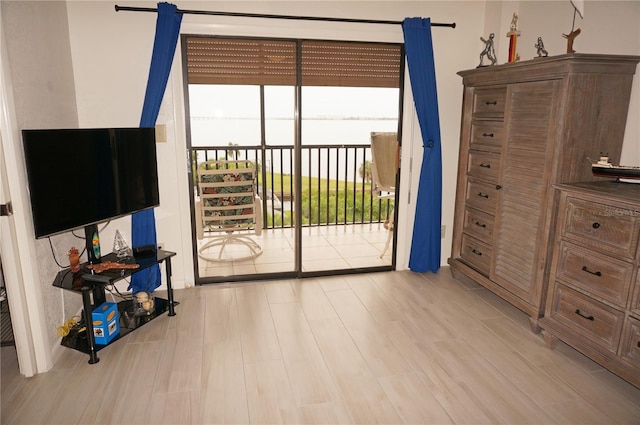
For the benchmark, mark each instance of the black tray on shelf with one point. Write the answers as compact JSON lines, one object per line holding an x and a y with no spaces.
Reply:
{"x":68,"y":280}
{"x":128,"y":323}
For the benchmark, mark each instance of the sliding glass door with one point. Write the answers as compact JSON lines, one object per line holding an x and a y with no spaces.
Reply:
{"x":302,"y":114}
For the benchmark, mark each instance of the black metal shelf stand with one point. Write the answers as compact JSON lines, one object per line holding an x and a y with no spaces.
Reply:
{"x":93,"y":294}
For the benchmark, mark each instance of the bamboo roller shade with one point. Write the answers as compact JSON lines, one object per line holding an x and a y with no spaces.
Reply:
{"x":214,"y":60}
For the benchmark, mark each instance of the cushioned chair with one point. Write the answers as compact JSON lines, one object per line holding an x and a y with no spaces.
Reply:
{"x":228,"y":211}
{"x":384,"y":166}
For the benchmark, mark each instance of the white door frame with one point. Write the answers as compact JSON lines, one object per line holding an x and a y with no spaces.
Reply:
{"x":11,"y":270}
{"x":21,"y":279}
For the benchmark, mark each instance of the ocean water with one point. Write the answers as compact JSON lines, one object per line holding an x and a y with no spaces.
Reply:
{"x":246,"y":132}
{"x":333,"y":163}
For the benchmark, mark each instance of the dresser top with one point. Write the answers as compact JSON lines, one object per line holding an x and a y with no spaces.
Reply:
{"x":552,"y":67}
{"x":618,"y":191}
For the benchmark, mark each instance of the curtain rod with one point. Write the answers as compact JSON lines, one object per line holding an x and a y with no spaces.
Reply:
{"x":257,"y":15}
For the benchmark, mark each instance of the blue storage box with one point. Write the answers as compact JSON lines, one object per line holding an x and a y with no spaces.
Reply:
{"x":106,"y":322}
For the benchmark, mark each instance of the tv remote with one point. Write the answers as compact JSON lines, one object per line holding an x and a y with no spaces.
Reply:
{"x":144,"y":251}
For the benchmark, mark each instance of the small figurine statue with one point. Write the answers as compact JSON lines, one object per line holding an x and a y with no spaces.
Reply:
{"x":540,"y":46}
{"x":74,"y":260}
{"x":578,"y":8}
{"x":513,"y":35}
{"x":570,"y":37}
{"x":514,"y":22}
{"x":120,"y":247}
{"x":488,"y":51}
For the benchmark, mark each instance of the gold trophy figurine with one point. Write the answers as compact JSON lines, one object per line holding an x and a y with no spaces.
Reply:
{"x":513,"y":35}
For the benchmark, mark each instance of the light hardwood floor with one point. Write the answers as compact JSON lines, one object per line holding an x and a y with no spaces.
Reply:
{"x":395,"y":347}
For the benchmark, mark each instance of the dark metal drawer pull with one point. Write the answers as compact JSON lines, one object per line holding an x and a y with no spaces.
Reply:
{"x":475,"y":251}
{"x":477,"y":223}
{"x":483,"y":195}
{"x":586,"y":269}
{"x":485,"y":165}
{"x":491,"y":102}
{"x":595,"y":225}
{"x":487,"y":134}
{"x":586,"y":317}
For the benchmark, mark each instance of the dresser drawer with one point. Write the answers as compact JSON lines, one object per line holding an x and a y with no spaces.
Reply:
{"x":604,"y":227}
{"x":484,"y":165}
{"x":489,"y":103}
{"x":482,"y":196}
{"x":479,"y":225}
{"x":476,"y":253}
{"x":630,"y":347}
{"x":635,"y":297}
{"x":599,"y":275}
{"x":587,"y":317}
{"x":487,"y":135}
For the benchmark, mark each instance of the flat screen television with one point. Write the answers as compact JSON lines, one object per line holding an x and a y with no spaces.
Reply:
{"x":80,"y":177}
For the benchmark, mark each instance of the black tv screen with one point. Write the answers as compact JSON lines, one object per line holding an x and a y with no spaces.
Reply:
{"x":79,"y":177}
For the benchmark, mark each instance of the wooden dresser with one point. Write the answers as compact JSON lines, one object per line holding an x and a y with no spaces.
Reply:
{"x":525,"y":127}
{"x":593,"y":302}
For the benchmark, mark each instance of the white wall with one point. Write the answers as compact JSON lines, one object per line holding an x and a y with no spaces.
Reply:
{"x":611,"y":27}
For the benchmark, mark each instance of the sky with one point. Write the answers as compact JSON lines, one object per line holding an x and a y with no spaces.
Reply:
{"x":243,"y":101}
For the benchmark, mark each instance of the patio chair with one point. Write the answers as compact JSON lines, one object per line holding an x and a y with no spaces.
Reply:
{"x":228,"y":211}
{"x":384,"y":166}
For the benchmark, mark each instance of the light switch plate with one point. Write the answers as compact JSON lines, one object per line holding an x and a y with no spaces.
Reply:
{"x":161,"y":133}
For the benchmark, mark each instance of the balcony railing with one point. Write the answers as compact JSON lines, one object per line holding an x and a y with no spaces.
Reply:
{"x":336,"y":186}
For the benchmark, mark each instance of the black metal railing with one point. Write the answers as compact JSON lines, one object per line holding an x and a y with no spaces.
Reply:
{"x":336,"y":186}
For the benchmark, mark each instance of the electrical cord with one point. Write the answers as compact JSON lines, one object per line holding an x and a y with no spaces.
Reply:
{"x":111,"y":288}
{"x":64,"y":330}
{"x":53,"y":253}
{"x":126,"y":321}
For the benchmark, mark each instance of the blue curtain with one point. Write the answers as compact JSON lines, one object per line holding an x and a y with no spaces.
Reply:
{"x":425,"y":244}
{"x":143,"y":224}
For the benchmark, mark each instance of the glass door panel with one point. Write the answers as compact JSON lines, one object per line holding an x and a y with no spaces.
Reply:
{"x":276,"y":181}
{"x":246,"y":229}
{"x":344,"y":221}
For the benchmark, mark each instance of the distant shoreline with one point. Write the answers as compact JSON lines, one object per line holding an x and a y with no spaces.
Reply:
{"x":304,"y":119}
